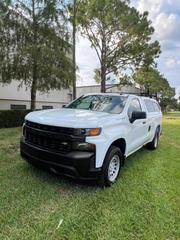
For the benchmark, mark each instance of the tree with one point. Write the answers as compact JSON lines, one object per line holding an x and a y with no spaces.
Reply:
{"x":168,"y":104}
{"x":117,"y":81}
{"x":97,"y":75}
{"x":74,"y":48}
{"x":152,"y":82}
{"x":73,"y":8}
{"x":36,"y":39}
{"x":7,"y":40}
{"x":119,"y":34}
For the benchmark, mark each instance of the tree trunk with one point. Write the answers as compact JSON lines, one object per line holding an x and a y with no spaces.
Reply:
{"x":34,"y":68}
{"x":103,"y":63}
{"x":33,"y":94}
{"x":148,"y":91}
{"x":103,"y":79}
{"x":34,"y":87}
{"x":74,"y":50}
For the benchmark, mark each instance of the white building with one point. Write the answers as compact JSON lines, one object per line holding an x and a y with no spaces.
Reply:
{"x":14,"y":97}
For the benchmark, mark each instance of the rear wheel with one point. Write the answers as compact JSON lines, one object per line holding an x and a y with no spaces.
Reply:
{"x":155,"y":142}
{"x":111,"y":167}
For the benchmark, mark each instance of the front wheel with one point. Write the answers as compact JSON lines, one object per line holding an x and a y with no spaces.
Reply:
{"x":111,"y":167}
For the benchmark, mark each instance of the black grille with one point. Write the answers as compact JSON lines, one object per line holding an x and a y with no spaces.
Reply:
{"x":62,"y":130}
{"x":52,"y":138}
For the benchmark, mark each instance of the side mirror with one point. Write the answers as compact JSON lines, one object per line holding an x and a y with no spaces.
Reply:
{"x":138,"y":115}
{"x":64,"y":106}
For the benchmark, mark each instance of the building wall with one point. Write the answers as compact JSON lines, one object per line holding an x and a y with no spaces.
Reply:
{"x":12,"y":94}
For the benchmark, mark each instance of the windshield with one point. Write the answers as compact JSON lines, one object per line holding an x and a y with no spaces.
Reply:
{"x":100,"y":103}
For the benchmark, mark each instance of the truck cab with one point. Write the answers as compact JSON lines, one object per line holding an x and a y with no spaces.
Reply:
{"x":91,"y":137}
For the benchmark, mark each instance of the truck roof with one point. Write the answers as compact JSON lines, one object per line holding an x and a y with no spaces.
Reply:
{"x":122,"y":94}
{"x":105,"y":94}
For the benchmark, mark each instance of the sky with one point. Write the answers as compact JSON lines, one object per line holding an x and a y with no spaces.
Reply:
{"x":165,"y":17}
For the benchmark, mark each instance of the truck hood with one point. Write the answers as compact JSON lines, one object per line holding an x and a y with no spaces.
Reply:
{"x":74,"y":118}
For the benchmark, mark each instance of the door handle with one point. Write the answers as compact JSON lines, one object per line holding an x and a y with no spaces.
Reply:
{"x":144,"y":122}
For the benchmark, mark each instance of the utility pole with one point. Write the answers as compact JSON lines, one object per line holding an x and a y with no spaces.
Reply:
{"x":74,"y":48}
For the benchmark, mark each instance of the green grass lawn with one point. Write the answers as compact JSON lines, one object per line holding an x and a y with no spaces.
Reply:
{"x":172,"y":114}
{"x":143,"y":204}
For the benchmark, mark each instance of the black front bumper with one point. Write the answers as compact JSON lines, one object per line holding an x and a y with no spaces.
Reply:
{"x":76,"y":164}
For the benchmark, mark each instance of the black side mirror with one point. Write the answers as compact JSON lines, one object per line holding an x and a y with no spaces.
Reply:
{"x":137,"y":115}
{"x":64,"y":106}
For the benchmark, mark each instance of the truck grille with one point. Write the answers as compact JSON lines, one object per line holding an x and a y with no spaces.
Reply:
{"x":62,"y":130}
{"x":57,"y":139}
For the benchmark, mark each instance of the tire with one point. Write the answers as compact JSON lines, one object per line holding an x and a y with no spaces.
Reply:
{"x":111,"y":167}
{"x":155,"y":142}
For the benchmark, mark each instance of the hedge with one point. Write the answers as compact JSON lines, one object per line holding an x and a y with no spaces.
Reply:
{"x":12,"y":118}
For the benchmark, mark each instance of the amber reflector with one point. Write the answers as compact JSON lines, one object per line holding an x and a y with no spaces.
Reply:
{"x":94,"y":131}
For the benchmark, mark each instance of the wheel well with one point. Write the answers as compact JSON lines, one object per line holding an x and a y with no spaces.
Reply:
{"x":120,"y":143}
{"x":158,"y":128}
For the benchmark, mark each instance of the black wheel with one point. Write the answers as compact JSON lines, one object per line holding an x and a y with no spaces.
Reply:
{"x":155,"y":142}
{"x":111,"y":167}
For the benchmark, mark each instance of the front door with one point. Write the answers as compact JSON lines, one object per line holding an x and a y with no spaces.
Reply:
{"x":138,"y":130}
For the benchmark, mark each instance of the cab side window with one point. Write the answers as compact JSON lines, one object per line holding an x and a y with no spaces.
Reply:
{"x":134,"y":106}
{"x":152,"y":106}
{"x":149,"y":106}
{"x":156,"y":107}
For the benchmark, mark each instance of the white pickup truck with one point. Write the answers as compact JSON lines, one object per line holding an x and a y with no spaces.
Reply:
{"x":91,"y":137}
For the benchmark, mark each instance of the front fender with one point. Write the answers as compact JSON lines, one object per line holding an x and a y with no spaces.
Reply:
{"x":105,"y":140}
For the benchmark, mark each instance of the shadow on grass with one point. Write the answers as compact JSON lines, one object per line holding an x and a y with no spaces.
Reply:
{"x":51,"y":178}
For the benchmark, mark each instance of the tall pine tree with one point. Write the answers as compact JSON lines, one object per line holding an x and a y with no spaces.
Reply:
{"x":34,"y":47}
{"x":120,"y":35}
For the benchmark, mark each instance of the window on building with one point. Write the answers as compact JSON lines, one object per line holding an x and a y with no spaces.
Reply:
{"x":70,"y":97}
{"x":18,"y":107}
{"x":47,"y":107}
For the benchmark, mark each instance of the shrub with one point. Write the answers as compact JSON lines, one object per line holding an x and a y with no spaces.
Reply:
{"x":12,"y":118}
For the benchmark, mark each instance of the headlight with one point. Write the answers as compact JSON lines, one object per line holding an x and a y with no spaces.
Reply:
{"x":84,"y":146}
{"x":88,"y":131}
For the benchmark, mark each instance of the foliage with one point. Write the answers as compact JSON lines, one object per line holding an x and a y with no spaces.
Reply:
{"x":12,"y":118}
{"x":119,"y":34}
{"x":168,"y":104}
{"x":97,"y":75}
{"x":34,"y":45}
{"x":111,"y":79}
{"x":152,"y":81}
{"x":74,"y":25}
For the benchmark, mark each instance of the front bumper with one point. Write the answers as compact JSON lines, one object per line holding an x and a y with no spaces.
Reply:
{"x":76,"y":164}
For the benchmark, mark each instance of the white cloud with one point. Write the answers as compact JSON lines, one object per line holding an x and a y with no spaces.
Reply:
{"x":172,"y":62}
{"x":169,"y":45}
{"x":175,"y":4}
{"x":178,"y":92}
{"x":164,"y":16}
{"x":87,"y":61}
{"x":152,"y":6}
{"x":167,"y":26}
